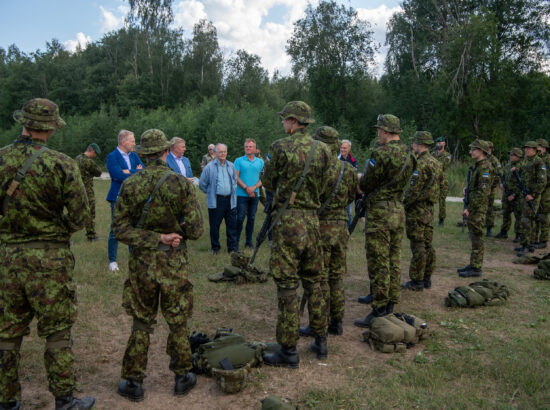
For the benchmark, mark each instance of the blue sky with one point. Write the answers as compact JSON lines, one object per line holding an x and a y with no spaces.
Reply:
{"x":259,"y":26}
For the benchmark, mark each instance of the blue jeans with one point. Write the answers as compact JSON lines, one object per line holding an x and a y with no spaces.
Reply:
{"x":246,"y":207}
{"x":216,"y":215}
{"x":112,"y":243}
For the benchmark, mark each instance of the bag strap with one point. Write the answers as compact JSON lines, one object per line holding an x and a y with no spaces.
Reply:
{"x":19,"y":176}
{"x":333,"y":193}
{"x":147,"y":205}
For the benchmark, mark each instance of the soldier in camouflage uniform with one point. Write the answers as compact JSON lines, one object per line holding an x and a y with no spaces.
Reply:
{"x":296,"y":253}
{"x":479,"y":186}
{"x":533,"y":173}
{"x":444,"y":158}
{"x":158,"y":266}
{"x":37,"y":264}
{"x":89,"y":169}
{"x":387,"y":173}
{"x":542,"y":224}
{"x":496,"y":169}
{"x":511,"y":197}
{"x":419,"y":200}
{"x":341,"y":191}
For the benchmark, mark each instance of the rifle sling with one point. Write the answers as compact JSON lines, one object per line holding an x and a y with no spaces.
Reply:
{"x":333,"y":193}
{"x":145,"y":209}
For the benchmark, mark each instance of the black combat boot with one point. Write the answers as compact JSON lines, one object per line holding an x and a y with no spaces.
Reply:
{"x":131,"y":389}
{"x":427,"y":282}
{"x":11,"y":405}
{"x":520,"y":248}
{"x":441,"y":222}
{"x":470,"y":273}
{"x":416,"y":285}
{"x":389,"y":308}
{"x":501,"y":235}
{"x":184,"y":384}
{"x":72,"y":403}
{"x":366,"y":300}
{"x":305,"y":331}
{"x":464,"y":269}
{"x":489,"y":231}
{"x":517,"y":239}
{"x":365,"y":322}
{"x":532,"y":248}
{"x":335,"y":327}
{"x":319,"y":346}
{"x":284,"y":357}
{"x":540,"y":245}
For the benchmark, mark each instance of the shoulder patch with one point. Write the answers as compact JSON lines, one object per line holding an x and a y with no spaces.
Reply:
{"x":415,"y":173}
{"x":448,"y":157}
{"x":543,"y":167}
{"x":372,"y":162}
{"x":485,"y":175}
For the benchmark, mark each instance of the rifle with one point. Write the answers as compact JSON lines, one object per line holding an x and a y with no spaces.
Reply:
{"x":360,"y":210}
{"x":260,"y":238}
{"x":524,"y":190}
{"x":466,"y":196}
{"x":507,"y":192}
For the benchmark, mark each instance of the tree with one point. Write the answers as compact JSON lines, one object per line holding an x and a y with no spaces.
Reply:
{"x":246,"y":79}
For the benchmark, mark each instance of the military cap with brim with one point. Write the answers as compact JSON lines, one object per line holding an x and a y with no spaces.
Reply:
{"x":489,"y":144}
{"x":39,"y":114}
{"x":96,"y":148}
{"x":440,"y":139}
{"x":389,"y":123}
{"x":543,"y":143}
{"x":326,"y":134}
{"x":480,"y":144}
{"x":517,"y":152}
{"x":152,"y":141}
{"x":298,"y":110}
{"x":531,"y":144}
{"x":423,"y":137}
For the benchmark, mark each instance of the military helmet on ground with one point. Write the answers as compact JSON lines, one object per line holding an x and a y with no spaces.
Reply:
{"x":517,"y":152}
{"x":152,"y":141}
{"x":298,"y":110}
{"x":480,"y":144}
{"x":542,"y":142}
{"x":531,"y":144}
{"x":389,"y":123}
{"x":423,"y":137}
{"x":39,"y":114}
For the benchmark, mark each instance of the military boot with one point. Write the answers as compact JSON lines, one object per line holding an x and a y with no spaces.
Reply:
{"x":416,"y":285}
{"x":131,"y":389}
{"x":335,"y":327}
{"x":441,"y":222}
{"x":366,"y":300}
{"x":427,"y":281}
{"x":517,"y":239}
{"x":464,"y":269}
{"x":319,"y":346}
{"x":520,"y":248}
{"x":365,"y":322}
{"x":72,"y":403}
{"x":470,"y":273}
{"x":501,"y":235}
{"x":305,"y":331}
{"x":540,"y":245}
{"x":12,"y":405}
{"x":184,"y":384}
{"x":284,"y":357}
{"x":389,"y":308}
{"x":488,"y":233}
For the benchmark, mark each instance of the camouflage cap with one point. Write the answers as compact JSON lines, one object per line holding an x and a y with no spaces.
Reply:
{"x":423,"y":137}
{"x":543,"y":143}
{"x":298,"y":110}
{"x":531,"y":144}
{"x":152,"y":141}
{"x":480,"y":144}
{"x":489,"y":144}
{"x":389,"y":123}
{"x":276,"y":403}
{"x":39,"y":114}
{"x":440,"y":139}
{"x":517,"y":152}
{"x":329,"y":136}
{"x":96,"y":148}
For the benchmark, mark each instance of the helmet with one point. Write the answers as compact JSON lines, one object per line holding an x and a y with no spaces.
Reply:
{"x":298,"y":110}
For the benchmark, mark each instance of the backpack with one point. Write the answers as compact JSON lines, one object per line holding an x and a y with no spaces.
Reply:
{"x":239,"y":271}
{"x":542,"y":271}
{"x":395,"y":333}
{"x":480,"y":293}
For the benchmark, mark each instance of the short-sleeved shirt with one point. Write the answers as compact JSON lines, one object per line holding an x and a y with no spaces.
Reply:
{"x":249,"y":172}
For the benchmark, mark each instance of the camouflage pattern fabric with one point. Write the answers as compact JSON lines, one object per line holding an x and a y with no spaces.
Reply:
{"x":38,"y":282}
{"x":496,"y":169}
{"x":511,"y":207}
{"x":419,"y":199}
{"x":89,"y":169}
{"x":384,"y":182}
{"x":157,"y":276}
{"x":296,"y":253}
{"x":542,"y":227}
{"x":478,"y":191}
{"x":533,"y":172}
{"x":444,"y":158}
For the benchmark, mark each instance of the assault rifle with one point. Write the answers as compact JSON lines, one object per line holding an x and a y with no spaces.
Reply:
{"x":360,"y":210}
{"x":466,"y":197}
{"x":260,"y":238}
{"x":524,"y":190}
{"x":507,"y":192}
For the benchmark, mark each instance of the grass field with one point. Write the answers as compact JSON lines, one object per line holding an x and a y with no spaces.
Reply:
{"x":490,"y":357}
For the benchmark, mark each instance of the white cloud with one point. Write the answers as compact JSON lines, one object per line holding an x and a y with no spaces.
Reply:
{"x":81,"y":40}
{"x":110,"y":21}
{"x":187,"y":13}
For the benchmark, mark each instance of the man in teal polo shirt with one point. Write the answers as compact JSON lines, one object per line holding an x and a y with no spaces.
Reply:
{"x":249,"y":168}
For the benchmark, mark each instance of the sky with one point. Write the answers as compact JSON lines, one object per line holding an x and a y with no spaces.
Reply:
{"x":260,"y":27}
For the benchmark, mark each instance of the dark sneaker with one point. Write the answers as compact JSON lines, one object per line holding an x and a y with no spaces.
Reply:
{"x":131,"y":389}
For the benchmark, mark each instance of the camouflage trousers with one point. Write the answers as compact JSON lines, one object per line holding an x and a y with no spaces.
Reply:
{"x":490,"y":215}
{"x":296,"y":255}
{"x":37,"y":283}
{"x":384,"y":227}
{"x":528,"y":222}
{"x":509,"y":208}
{"x":542,"y":227}
{"x":476,"y":220}
{"x":90,"y":224}
{"x":157,"y":277}
{"x":420,"y":234}
{"x":443,"y":191}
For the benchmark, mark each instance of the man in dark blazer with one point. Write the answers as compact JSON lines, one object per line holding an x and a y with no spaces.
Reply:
{"x":176,"y":159}
{"x":121,"y":163}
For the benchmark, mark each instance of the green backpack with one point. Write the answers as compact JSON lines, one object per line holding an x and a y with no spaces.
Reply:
{"x":395,"y":333}
{"x":542,"y":270}
{"x":480,"y":293}
{"x":239,"y":271}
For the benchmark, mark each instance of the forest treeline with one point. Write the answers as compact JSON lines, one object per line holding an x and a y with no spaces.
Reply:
{"x":461,"y":69}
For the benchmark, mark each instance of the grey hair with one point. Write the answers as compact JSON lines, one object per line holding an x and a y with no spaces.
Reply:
{"x":347,"y":142}
{"x":123,"y":134}
{"x":176,"y":140}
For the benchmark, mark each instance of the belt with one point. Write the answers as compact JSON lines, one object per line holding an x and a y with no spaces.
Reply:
{"x":224,"y":196}
{"x":39,"y":245}
{"x":387,"y":203}
{"x":166,"y":248}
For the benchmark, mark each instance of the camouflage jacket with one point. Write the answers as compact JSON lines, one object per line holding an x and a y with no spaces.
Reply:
{"x":288,"y":160}
{"x":88,"y":169}
{"x":496,"y":170}
{"x":510,"y":179}
{"x":444,"y":157}
{"x":424,"y":183}
{"x":533,"y":174}
{"x":384,"y":178}
{"x":345,"y":194}
{"x":174,"y":203}
{"x":52,"y":185}
{"x":479,"y":186}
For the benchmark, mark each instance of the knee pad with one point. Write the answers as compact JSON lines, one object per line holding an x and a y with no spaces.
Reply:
{"x":11,"y":344}
{"x":59,"y":340}
{"x":144,"y":327}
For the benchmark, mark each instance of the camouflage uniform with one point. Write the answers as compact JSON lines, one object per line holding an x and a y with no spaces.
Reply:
{"x":496,"y":169}
{"x":37,"y":264}
{"x":296,"y":254}
{"x":511,"y":207}
{"x":419,"y":199}
{"x":387,"y":173}
{"x":542,"y":223}
{"x":89,"y":169}
{"x":444,"y":158}
{"x":157,"y":273}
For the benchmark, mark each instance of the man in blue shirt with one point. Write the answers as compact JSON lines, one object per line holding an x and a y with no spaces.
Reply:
{"x":219,"y":181}
{"x":176,"y":160}
{"x":121,"y":163}
{"x":249,"y":168}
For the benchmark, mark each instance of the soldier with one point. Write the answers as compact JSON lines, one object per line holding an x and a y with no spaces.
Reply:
{"x":495,"y":181}
{"x":444,"y":157}
{"x":419,"y":200}
{"x":333,"y":218}
{"x":533,"y":175}
{"x":89,"y":169}
{"x":158,"y":266}
{"x":36,"y":185}
{"x":511,"y":197}
{"x":542,"y":228}
{"x":479,"y":185}
{"x":296,"y":253}
{"x":387,"y":173}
